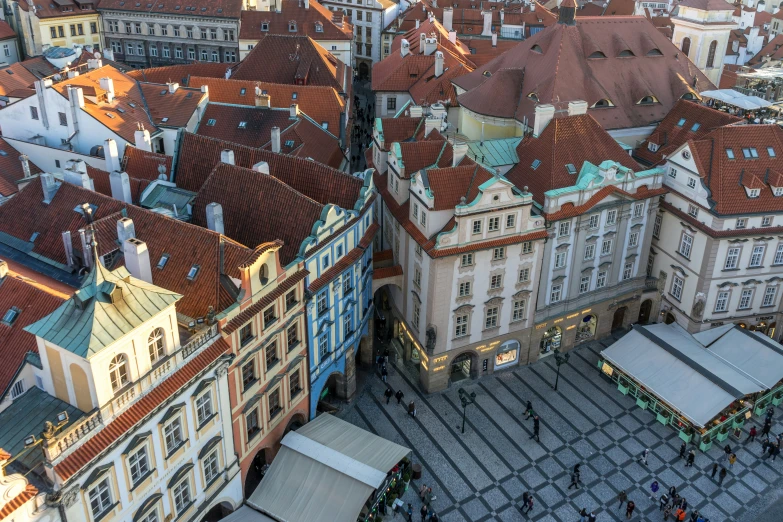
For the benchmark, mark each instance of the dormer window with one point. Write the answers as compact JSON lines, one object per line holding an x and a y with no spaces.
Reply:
{"x":654,"y":52}
{"x":193,"y":272}
{"x":597,"y":54}
{"x":652,"y":147}
{"x":571,"y":168}
{"x":294,"y":95}
{"x":211,"y":122}
{"x":264,"y":26}
{"x":602,"y":103}
{"x":778,"y":191}
{"x":486,"y":74}
{"x":647,"y":100}
{"x":533,"y":96}
{"x":292,"y":26}
{"x":536,"y":163}
{"x":537,"y":49}
{"x":688,"y":96}
{"x":10,"y":316}
{"x":163,"y":260}
{"x":754,"y":193}
{"x":242,"y":91}
{"x":771,"y":152}
{"x":319,"y":28}
{"x":626,"y":53}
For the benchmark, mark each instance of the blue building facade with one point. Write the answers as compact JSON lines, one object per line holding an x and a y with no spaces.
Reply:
{"x":338,"y":257}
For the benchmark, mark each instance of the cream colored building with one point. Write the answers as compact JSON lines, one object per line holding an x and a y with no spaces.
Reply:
{"x":42,"y":25}
{"x":701,"y":31}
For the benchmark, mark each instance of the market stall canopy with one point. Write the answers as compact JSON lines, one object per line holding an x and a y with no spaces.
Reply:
{"x":330,"y":466}
{"x":697,"y":375}
{"x":246,"y":514}
{"x":736,"y":98}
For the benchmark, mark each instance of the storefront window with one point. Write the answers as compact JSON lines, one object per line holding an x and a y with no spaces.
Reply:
{"x":586,"y":329}
{"x":551,"y":340}
{"x":507,"y":353}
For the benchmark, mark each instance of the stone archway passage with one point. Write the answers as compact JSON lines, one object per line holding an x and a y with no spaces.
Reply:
{"x":364,"y":70}
{"x":218,"y":512}
{"x":644,"y":311}
{"x":619,"y":318}
{"x":669,"y":319}
{"x":255,"y":473}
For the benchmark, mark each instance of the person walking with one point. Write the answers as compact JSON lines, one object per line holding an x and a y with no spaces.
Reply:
{"x":694,"y":515}
{"x":722,"y":475}
{"x":399,"y":396}
{"x":714,"y":470}
{"x":424,"y":512}
{"x":592,"y":517}
{"x":732,"y":460}
{"x":682,"y":450}
{"x":623,"y":498}
{"x":429,"y":498}
{"x":775,"y":451}
{"x":412,"y":409}
{"x":410,"y":512}
{"x":752,"y":434}
{"x":536,"y":426}
{"x":770,"y":451}
{"x":663,"y":502}
{"x":672,"y":492}
{"x":726,"y":452}
{"x":683,"y":504}
{"x":384,"y":373}
{"x":667,"y":512}
{"x":422,"y":491}
{"x":525,"y":496}
{"x":583,"y":515}
{"x":643,"y":456}
{"x":629,"y":509}
{"x":574,"y":480}
{"x":654,"y":489}
{"x":765,"y":429}
{"x":679,"y":515}
{"x":434,"y":517}
{"x":528,"y":410}
{"x":691,"y":458}
{"x":528,"y":505}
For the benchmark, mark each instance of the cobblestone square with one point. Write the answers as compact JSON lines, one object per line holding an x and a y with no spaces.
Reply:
{"x":481,"y":475}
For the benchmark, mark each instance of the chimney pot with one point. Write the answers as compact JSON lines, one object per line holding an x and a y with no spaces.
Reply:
{"x":143,"y":140}
{"x":173,"y":86}
{"x":25,"y":165}
{"x":294,"y":110}
{"x":276,"y":139}
{"x":227,"y":156}
{"x":137,"y":259}
{"x":438,"y":64}
{"x":215,"y":217}
{"x":577,"y":107}
{"x":111,"y":155}
{"x":544,"y":114}
{"x":107,"y":84}
{"x":120,"y":186}
{"x":262,"y":167}
{"x":49,"y":187}
{"x":125,"y":229}
{"x":405,"y":48}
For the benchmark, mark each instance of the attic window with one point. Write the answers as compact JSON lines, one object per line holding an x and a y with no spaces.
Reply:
{"x":163,"y":260}
{"x":648,"y":100}
{"x":730,"y":153}
{"x":771,"y":152}
{"x":487,"y":74}
{"x":132,"y":104}
{"x":211,"y":122}
{"x":533,"y":96}
{"x":654,"y":52}
{"x":242,"y":91}
{"x":193,"y":272}
{"x":319,"y":28}
{"x":11,"y":315}
{"x":289,"y":143}
{"x":34,"y":237}
{"x":163,"y":92}
{"x":688,"y":96}
{"x":571,"y":168}
{"x":602,"y":103}
{"x":754,"y":193}
{"x":294,"y":95}
{"x":120,"y":110}
{"x":110,"y":115}
{"x":292,"y":26}
{"x":626,"y":53}
{"x":535,"y":164}
{"x":242,"y":124}
{"x":3,"y":153}
{"x":681,"y":122}
{"x":9,"y":71}
{"x":265,"y":26}
{"x":696,"y":127}
{"x":164,"y":120}
{"x":750,"y":152}
{"x":537,"y":49}
{"x":597,"y":54}
{"x":324,"y":125}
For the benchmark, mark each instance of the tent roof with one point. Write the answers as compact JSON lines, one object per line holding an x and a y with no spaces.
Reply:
{"x":670,"y":363}
{"x":332,"y":465}
{"x":246,"y":514}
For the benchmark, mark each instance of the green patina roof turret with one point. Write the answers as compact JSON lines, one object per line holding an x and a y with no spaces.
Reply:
{"x":107,"y":306}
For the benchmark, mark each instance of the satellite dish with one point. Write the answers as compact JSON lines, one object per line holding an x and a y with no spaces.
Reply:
{"x":96,"y":54}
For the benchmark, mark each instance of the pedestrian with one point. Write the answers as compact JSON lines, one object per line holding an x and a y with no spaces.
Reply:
{"x":386,"y":355}
{"x":629,"y":509}
{"x":682,"y":450}
{"x":691,"y":458}
{"x":694,"y":515}
{"x":770,"y":412}
{"x":380,"y":362}
{"x":399,"y":396}
{"x":765,"y":429}
{"x":683,"y":504}
{"x":672,"y":492}
{"x":528,"y":505}
{"x":752,"y":433}
{"x":775,"y":451}
{"x":388,"y":394}
{"x":623,"y":498}
{"x":654,"y":489}
{"x":583,"y":515}
{"x":732,"y":460}
{"x":722,"y":475}
{"x":434,"y":517}
{"x":422,"y":491}
{"x":643,"y":456}
{"x":574,"y":480}
{"x":592,"y":517}
{"x":429,"y":497}
{"x":679,"y":515}
{"x":764,"y":447}
{"x":412,"y":409}
{"x":525,"y":496}
{"x":535,"y":428}
{"x":667,"y":512}
{"x":528,"y":410}
{"x":410,"y":512}
{"x":424,"y":512}
{"x":663,"y":502}
{"x":726,"y":452}
{"x":714,"y":470}
{"x":384,"y":373}
{"x":770,"y":451}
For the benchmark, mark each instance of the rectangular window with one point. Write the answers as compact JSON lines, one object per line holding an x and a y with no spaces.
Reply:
{"x":477,"y":226}
{"x":53,"y":32}
{"x":347,"y":280}
{"x":769,"y":296}
{"x":416,"y":313}
{"x":495,"y":281}
{"x":510,"y":221}
{"x":742,"y":222}
{"x":527,"y":247}
{"x":269,"y":316}
{"x":600,"y":281}
{"x":246,"y":334}
{"x":657,"y":226}
{"x":274,"y":403}
{"x":638,"y":210}
{"x":182,"y":498}
{"x":423,"y":219}
{"x":100,"y":498}
{"x":627,"y":271}
{"x":73,"y":30}
{"x":732,"y":258}
{"x":213,"y":34}
{"x":584,"y":284}
{"x":61,"y":31}
{"x":63,"y":119}
{"x":693,"y":210}
{"x":391,"y":103}
{"x":461,"y":329}
{"x":691,"y":182}
{"x":491,"y":320}
{"x":166,"y":52}
{"x":686,"y":244}
{"x":524,"y":275}
{"x":323,"y":345}
{"x":347,"y":324}
{"x":415,"y":211}
{"x":93,"y":28}
{"x":594,"y":219}
{"x":164,"y":30}
{"x":564,"y":229}
{"x":173,"y":435}
{"x":34,"y":112}
{"x":191,"y":54}
{"x":417,"y":277}
{"x":270,"y":353}
{"x":321,"y":303}
{"x":211,"y":468}
{"x":251,"y":422}
{"x":138,"y":464}
{"x":560,"y":259}
{"x":248,"y":375}
{"x":779,"y":255}
{"x":494,"y":224}
{"x":606,"y":247}
{"x":746,"y":298}
{"x":294,"y":383}
{"x":153,"y":50}
{"x":556,"y":293}
{"x":633,"y":239}
{"x":611,"y":218}
{"x":519,"y":310}
{"x":757,"y":256}
{"x":499,"y":253}
{"x":137,"y":27}
{"x":673,"y":173}
{"x":204,"y":407}
{"x":467,"y":259}
{"x":722,"y":302}
{"x":292,"y":334}
{"x":178,"y":52}
{"x":676,"y":290}
{"x":766,"y":221}
{"x":290,"y":299}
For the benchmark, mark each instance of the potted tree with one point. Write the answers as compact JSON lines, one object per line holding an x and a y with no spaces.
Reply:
{"x":663,"y":417}
{"x":738,"y":422}
{"x":706,"y":443}
{"x":686,"y":434}
{"x":406,"y":478}
{"x":622,"y":385}
{"x":777,"y":398}
{"x":761,"y":407}
{"x":723,"y":433}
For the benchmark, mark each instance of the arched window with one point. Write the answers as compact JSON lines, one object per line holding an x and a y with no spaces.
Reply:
{"x":263,"y":274}
{"x":537,"y":49}
{"x":711,"y":53}
{"x":155,"y":344}
{"x":686,"y":46}
{"x":648,"y":100}
{"x":688,"y":96}
{"x":118,"y":372}
{"x":602,"y":103}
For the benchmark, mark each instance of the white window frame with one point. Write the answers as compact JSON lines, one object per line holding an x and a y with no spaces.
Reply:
{"x":518,"y":311}
{"x":595,"y":219}
{"x":564,"y":229}
{"x":496,"y":281}
{"x":589,"y":251}
{"x":461,"y":325}
{"x":584,"y":284}
{"x":606,"y":247}
{"x":757,"y":256}
{"x":493,"y":224}
{"x":182,"y":495}
{"x":477,"y":226}
{"x":524,"y":275}
{"x":491,"y":317}
{"x":103,"y":500}
{"x":686,"y":245}
{"x":464,"y":289}
{"x":204,"y":408}
{"x":633,"y":239}
{"x":556,"y":293}
{"x":211,"y":466}
{"x":722,"y":301}
{"x":638,"y":210}
{"x":778,"y":255}
{"x":746,"y":299}
{"x":611,"y":218}
{"x":770,"y":295}
{"x":600,"y":280}
{"x":732,"y":258}
{"x":657,"y":226}
{"x":467,"y":260}
{"x":678,"y":283}
{"x":627,"y":271}
{"x":139,"y":464}
{"x":173,"y":434}
{"x":560,"y":259}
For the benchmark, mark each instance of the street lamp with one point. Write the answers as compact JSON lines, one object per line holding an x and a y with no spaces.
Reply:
{"x":560,"y":359}
{"x":467,"y":399}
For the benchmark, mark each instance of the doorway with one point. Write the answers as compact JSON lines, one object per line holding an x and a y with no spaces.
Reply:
{"x":551,"y":340}
{"x":619,"y":318}
{"x":669,"y":318}
{"x":461,"y":367}
{"x":255,"y":473}
{"x":364,"y":71}
{"x":644,"y":312}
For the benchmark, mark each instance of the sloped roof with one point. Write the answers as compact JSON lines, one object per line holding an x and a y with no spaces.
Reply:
{"x":108,"y":306}
{"x":417,"y":155}
{"x":569,"y":140}
{"x":554,"y":66}
{"x":14,"y":77}
{"x":774,"y":49}
{"x":11,"y":168}
{"x":179,"y":73}
{"x":102,"y":183}
{"x":294,"y":10}
{"x":708,"y":5}
{"x":175,"y":108}
{"x":141,"y":164}
{"x":670,"y":134}
{"x":449,"y":185}
{"x":5,"y":31}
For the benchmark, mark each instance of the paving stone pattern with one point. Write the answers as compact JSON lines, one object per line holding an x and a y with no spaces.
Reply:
{"x":481,"y":475}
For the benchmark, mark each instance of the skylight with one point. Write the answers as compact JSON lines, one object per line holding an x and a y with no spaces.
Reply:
{"x":730,"y":153}
{"x":750,"y":152}
{"x":294,"y":95}
{"x":3,"y":153}
{"x":289,"y":143}
{"x":681,"y":122}
{"x":193,"y":272}
{"x":696,"y":127}
{"x":242,"y":124}
{"x":163,"y":260}
{"x":211,"y":122}
{"x":771,"y":152}
{"x":164,"y":120}
{"x":242,"y":91}
{"x":570,"y":168}
{"x":34,"y":236}
{"x":535,"y":164}
{"x":11,"y":315}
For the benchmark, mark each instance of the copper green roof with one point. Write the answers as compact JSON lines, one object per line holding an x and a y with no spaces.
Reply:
{"x":106,"y":307}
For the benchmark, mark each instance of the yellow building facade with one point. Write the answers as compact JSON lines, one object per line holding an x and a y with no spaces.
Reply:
{"x":55,"y":26}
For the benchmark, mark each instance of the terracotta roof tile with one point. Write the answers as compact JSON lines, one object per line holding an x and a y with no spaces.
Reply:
{"x":199,"y":8}
{"x":39,"y":66}
{"x":14,"y":77}
{"x":400,"y":129}
{"x":179,"y":73}
{"x":99,"y":441}
{"x":450,"y":185}
{"x":569,"y":210}
{"x":33,"y":304}
{"x":383,"y":255}
{"x":347,"y":260}
{"x":169,"y":109}
{"x":11,"y":168}
{"x":389,"y":271}
{"x":223,"y":122}
{"x":102,"y":182}
{"x":141,"y":164}
{"x":281,"y":289}
{"x":695,"y":223}
{"x":306,"y":20}
{"x":417,"y":155}
{"x":5,"y":31}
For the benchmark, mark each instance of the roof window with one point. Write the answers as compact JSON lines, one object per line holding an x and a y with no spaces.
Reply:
{"x":597,"y":54}
{"x":681,"y":122}
{"x":319,"y":28}
{"x":603,"y":102}
{"x":750,"y":152}
{"x":3,"y":153}
{"x":571,"y":168}
{"x":754,"y":193}
{"x":265,"y":26}
{"x":292,"y":26}
{"x":110,"y":115}
{"x":626,"y":53}
{"x":294,"y":95}
{"x":535,"y":164}
{"x":688,"y":96}
{"x":120,"y":110}
{"x":193,"y":272}
{"x":132,"y":104}
{"x":11,"y":316}
{"x":324,"y":125}
{"x":537,"y":49}
{"x":34,"y":236}
{"x":163,"y":260}
{"x":164,"y":120}
{"x":242,"y":91}
{"x":9,"y":71}
{"x":771,"y":152}
{"x":163,"y":92}
{"x":211,"y":122}
{"x":654,"y":52}
{"x":730,"y":153}
{"x":647,"y":100}
{"x":487,"y":74}
{"x":242,"y":124}
{"x":289,"y":143}
{"x":696,"y":126}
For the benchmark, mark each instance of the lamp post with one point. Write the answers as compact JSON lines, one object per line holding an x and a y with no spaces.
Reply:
{"x":560,"y":359}
{"x":467,"y":399}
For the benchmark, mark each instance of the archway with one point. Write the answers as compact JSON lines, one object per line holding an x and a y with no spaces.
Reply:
{"x":619,"y":318}
{"x":218,"y":512}
{"x":644,"y":311}
{"x":255,"y":473}
{"x":296,"y":422}
{"x":586,"y":329}
{"x":364,"y":71}
{"x":551,"y":340}
{"x":462,"y":367}
{"x":330,"y":393}
{"x":669,"y":318}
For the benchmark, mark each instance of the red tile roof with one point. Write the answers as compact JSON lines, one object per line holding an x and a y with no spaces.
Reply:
{"x":450,"y":185}
{"x":569,"y":210}
{"x":708,"y":5}
{"x":553,"y":66}
{"x":11,"y":168}
{"x":569,"y":140}
{"x":383,"y":255}
{"x":401,"y":129}
{"x":39,"y":66}
{"x":102,"y":182}
{"x":773,"y":49}
{"x":198,"y":8}
{"x":139,"y":411}
{"x":199,"y":155}
{"x":179,"y":73}
{"x":141,"y":164}
{"x":347,"y":260}
{"x":15,"y":77}
{"x":417,"y":155}
{"x":33,"y":303}
{"x":389,"y":271}
{"x":5,"y":31}
{"x":294,"y":10}
{"x":18,"y":501}
{"x":58,"y":9}
{"x":175,"y":108}
{"x":695,"y":223}
{"x":669,"y":135}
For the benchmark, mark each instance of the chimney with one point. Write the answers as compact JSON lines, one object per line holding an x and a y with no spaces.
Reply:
{"x":49,"y":187}
{"x":215,"y":218}
{"x":422,"y":45}
{"x":262,"y":167}
{"x":72,"y":73}
{"x":137,"y":259}
{"x":567,"y":14}
{"x":25,"y":165}
{"x":438,"y":64}
{"x":94,"y":63}
{"x":227,"y":156}
{"x":533,"y":6}
{"x":502,"y":16}
{"x":435,"y":4}
{"x":107,"y":84}
{"x":487,"y":29}
{"x":275,"y":139}
{"x":85,"y":238}
{"x":405,"y":48}
{"x":494,"y":39}
{"x":120,"y":186}
{"x":415,"y":111}
{"x":111,"y":155}
{"x":544,"y":114}
{"x":453,"y":37}
{"x":262,"y":100}
{"x":142,"y":138}
{"x":75,"y":173}
{"x":307,"y":4}
{"x":68,"y":247}
{"x":417,"y":23}
{"x":125,"y":229}
{"x":430,"y":45}
{"x":430,"y":124}
{"x":460,"y":149}
{"x":173,"y":86}
{"x":108,"y":54}
{"x":3,"y":270}
{"x":294,"y":110}
{"x":577,"y":107}
{"x":448,"y":18}
{"x":205,"y":89}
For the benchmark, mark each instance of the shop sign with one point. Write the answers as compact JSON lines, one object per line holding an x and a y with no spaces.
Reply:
{"x":485,"y":364}
{"x":608,"y":370}
{"x":765,"y":318}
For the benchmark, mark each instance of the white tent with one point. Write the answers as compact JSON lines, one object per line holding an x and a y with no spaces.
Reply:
{"x":736,"y":98}
{"x":325,"y":471}
{"x":697,"y":375}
